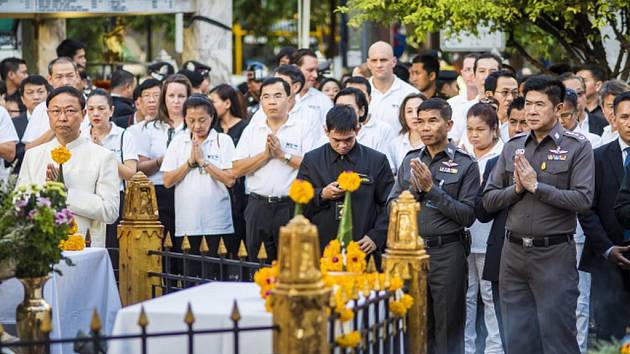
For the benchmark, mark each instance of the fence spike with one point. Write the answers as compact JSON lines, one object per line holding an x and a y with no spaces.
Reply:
{"x":46,"y":325}
{"x":371,"y":266}
{"x":95,"y":324}
{"x":236,"y":314}
{"x":242,"y":250}
{"x":222,"y":251}
{"x":203,"y":248}
{"x":189,"y":318}
{"x":143,"y":321}
{"x":88,"y":238}
{"x":168,"y":241}
{"x":186,"y":244}
{"x":262,"y":253}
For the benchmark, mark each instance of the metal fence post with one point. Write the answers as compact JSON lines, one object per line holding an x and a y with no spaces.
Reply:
{"x":300,"y":299}
{"x":406,"y":257}
{"x":139,"y":232}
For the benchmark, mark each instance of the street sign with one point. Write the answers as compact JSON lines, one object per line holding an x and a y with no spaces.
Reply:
{"x":93,"y":7}
{"x":467,"y":42}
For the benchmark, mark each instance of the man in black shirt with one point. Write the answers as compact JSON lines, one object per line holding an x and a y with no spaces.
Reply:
{"x":323,"y":165}
{"x":123,"y":86}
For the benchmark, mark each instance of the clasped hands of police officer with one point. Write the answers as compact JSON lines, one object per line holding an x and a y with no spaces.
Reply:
{"x":525,"y":177}
{"x":332,"y":192}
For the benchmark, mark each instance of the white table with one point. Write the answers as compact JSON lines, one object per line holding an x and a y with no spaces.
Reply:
{"x":88,"y":285}
{"x":212,"y":305}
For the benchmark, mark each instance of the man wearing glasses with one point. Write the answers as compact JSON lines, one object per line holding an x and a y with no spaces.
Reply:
{"x":91,"y":174}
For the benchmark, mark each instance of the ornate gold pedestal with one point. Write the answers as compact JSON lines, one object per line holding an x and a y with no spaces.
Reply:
{"x":32,"y":313}
{"x":406,"y":257}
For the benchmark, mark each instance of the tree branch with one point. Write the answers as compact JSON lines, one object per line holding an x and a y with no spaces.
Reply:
{"x":547,"y":25}
{"x":519,"y":47}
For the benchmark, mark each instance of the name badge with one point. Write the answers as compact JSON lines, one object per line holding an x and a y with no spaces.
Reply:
{"x":213,"y":157}
{"x":448,"y":170}
{"x":365,"y":179}
{"x":292,"y":146}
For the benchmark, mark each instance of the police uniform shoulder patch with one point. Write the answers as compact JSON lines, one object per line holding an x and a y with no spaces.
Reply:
{"x":574,"y":135}
{"x":462,"y":151}
{"x":517,"y":136}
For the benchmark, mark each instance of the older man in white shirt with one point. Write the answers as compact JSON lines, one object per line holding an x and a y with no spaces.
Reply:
{"x":91,"y":174}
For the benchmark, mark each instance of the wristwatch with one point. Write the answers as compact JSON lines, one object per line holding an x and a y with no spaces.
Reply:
{"x":287,"y":157}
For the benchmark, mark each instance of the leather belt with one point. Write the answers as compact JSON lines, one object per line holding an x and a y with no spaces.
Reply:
{"x":542,"y":241}
{"x":270,"y":199}
{"x":439,"y":241}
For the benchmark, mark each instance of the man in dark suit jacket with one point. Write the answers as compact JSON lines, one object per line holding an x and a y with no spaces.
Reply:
{"x":603,"y":250}
{"x":596,"y":123}
{"x":123,"y":86}
{"x":20,"y":122}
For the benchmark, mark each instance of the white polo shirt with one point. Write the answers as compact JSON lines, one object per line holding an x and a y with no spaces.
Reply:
{"x":38,"y":124}
{"x":316,"y":101}
{"x":7,"y":133}
{"x":401,"y":146}
{"x":460,"y":113}
{"x":303,"y":113}
{"x":594,"y":139}
{"x":275,"y":177}
{"x":123,"y":146}
{"x":150,"y":138}
{"x":202,"y":204}
{"x":379,"y":136}
{"x":384,"y":106}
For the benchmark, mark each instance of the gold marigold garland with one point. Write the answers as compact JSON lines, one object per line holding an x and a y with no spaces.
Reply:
{"x":349,"y":340}
{"x":60,"y":154}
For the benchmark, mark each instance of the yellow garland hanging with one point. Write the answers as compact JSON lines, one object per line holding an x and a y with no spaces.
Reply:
{"x":349,"y":340}
{"x":397,"y":308}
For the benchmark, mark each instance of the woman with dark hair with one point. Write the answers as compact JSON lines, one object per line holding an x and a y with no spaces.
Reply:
{"x":153,"y":138}
{"x":330,"y":87}
{"x":231,"y":112}
{"x":408,"y":137}
{"x":482,"y":130}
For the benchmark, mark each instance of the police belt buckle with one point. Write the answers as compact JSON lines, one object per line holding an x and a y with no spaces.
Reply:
{"x":528,"y":242}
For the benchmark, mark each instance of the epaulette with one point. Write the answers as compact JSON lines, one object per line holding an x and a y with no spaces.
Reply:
{"x":518,"y":136}
{"x":572,"y":134}
{"x":462,"y":151}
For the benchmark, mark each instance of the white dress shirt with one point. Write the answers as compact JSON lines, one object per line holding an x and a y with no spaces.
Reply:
{"x":151,"y":141}
{"x":303,"y":113}
{"x":38,"y":124}
{"x":91,"y":177}
{"x":276,"y":176}
{"x":316,"y":101}
{"x":384,"y":106}
{"x":7,"y":134}
{"x":202,"y":204}
{"x":594,"y":139}
{"x":401,"y":146}
{"x":459,"y":116}
{"x":608,"y":135}
{"x":379,"y":136}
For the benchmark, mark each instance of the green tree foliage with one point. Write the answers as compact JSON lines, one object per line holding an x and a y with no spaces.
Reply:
{"x":574,"y":26}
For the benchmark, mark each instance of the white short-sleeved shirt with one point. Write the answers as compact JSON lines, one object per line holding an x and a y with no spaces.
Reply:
{"x":202,"y":204}
{"x":7,"y":133}
{"x":123,"y":146}
{"x":301,"y":112}
{"x":401,"y":146}
{"x":384,"y":106}
{"x":275,"y":177}
{"x":151,"y":138}
{"x":594,"y":139}
{"x":378,"y":135}
{"x":38,"y":124}
{"x":608,"y":135}
{"x":460,"y":113}
{"x":316,"y":101}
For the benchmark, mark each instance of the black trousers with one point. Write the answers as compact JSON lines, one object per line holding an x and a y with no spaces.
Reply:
{"x":166,"y":208}
{"x":610,"y":297}
{"x":262,"y":224}
{"x":446,"y":311}
{"x":538,"y":292}
{"x":496,"y":300}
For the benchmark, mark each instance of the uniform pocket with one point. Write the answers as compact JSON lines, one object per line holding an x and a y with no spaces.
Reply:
{"x":556,"y":174}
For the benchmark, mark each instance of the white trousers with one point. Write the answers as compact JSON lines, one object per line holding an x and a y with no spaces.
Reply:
{"x":476,"y":285}
{"x":582,"y":311}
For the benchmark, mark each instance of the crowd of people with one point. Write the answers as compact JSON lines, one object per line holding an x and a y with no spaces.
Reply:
{"x":518,"y":178}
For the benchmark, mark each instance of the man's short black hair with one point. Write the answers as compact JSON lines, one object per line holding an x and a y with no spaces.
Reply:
{"x":402,"y":72}
{"x":293,"y":72}
{"x":549,"y":85}
{"x":429,"y":62}
{"x":492,"y":80}
{"x":359,"y":99}
{"x":8,"y":65}
{"x":145,"y":85}
{"x":121,"y":78}
{"x":597,"y":73}
{"x":341,"y":119}
{"x":69,"y":90}
{"x":273,"y":81}
{"x":621,"y":98}
{"x":61,"y":60}
{"x":284,"y":52}
{"x":437,"y":104}
{"x":35,"y":80}
{"x":359,"y":80}
{"x":298,"y":56}
{"x":199,"y":100}
{"x":517,"y":104}
{"x":69,"y":47}
{"x":487,"y":56}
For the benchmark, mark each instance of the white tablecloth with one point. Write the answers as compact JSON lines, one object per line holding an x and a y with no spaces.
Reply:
{"x":88,"y":285}
{"x":212,"y":305}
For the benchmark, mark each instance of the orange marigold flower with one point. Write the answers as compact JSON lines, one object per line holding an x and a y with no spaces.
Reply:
{"x":349,"y":340}
{"x":349,"y":181}
{"x":397,"y":308}
{"x":60,"y":154}
{"x":301,"y":191}
{"x":407,"y":301}
{"x":395,"y":284}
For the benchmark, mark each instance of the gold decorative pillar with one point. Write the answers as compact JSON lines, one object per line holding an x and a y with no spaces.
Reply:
{"x":406,"y":257}
{"x":139,"y":232}
{"x":300,"y":298}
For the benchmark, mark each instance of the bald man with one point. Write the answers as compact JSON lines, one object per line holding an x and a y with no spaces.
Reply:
{"x":388,"y":91}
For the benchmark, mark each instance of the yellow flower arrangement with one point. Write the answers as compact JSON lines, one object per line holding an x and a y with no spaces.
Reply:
{"x":355,"y":259}
{"x":349,"y":181}
{"x":266,"y":280}
{"x":73,"y":243}
{"x":397,"y":308}
{"x":345,"y":314}
{"x":332,"y":260}
{"x":395,"y":284}
{"x":407,"y":301}
{"x":349,"y":340}
{"x":74,"y":228}
{"x":60,"y":154}
{"x":301,"y":191}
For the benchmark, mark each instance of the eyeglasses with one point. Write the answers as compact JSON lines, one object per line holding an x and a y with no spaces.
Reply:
{"x":506,"y":93}
{"x":69,"y":112}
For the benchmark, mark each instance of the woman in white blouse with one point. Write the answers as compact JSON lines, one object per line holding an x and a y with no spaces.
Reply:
{"x":153,"y":137}
{"x":199,"y":165}
{"x":408,"y":137}
{"x":482,"y":131}
{"x":106,"y":133}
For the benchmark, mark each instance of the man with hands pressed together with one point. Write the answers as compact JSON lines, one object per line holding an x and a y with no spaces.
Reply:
{"x":544,"y":178}
{"x":269,"y":154}
{"x":323,"y":165}
{"x":445,"y":180}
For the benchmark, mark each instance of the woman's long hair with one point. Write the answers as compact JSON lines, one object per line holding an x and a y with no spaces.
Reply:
{"x":238,"y":106}
{"x":162,"y":116}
